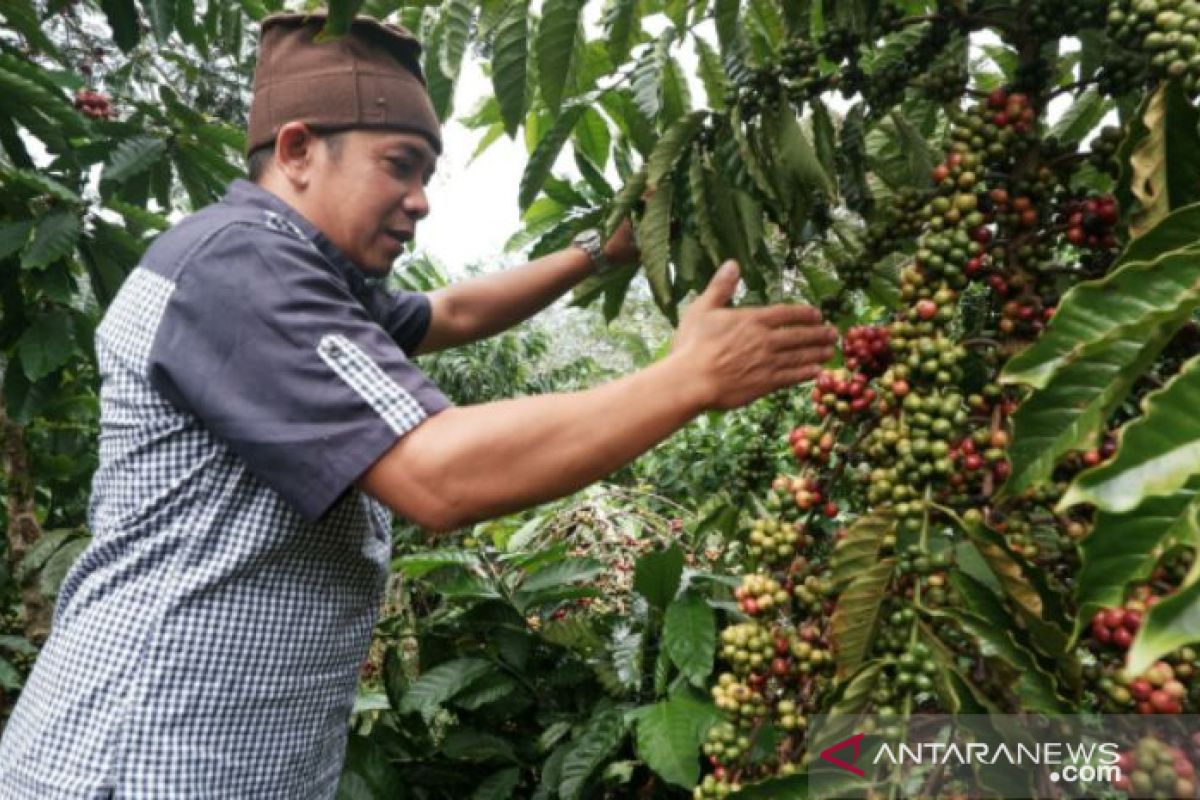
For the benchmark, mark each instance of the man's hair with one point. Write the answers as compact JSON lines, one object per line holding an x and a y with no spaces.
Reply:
{"x":258,"y":160}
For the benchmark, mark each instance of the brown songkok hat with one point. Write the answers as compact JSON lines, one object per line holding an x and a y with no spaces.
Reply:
{"x":369,"y":78}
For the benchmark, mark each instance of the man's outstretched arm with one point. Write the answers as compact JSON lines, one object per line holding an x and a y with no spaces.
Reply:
{"x":471,"y":463}
{"x":481,"y":307}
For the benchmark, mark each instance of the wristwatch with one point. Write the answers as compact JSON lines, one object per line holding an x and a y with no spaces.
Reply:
{"x":591,"y":242}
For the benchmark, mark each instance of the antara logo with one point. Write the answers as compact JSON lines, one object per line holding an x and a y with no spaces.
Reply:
{"x":854,"y":741}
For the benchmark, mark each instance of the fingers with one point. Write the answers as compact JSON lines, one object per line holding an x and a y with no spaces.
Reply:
{"x":808,"y":336}
{"x":789,"y":314}
{"x":807,"y":355}
{"x":721,"y":288}
{"x":794,"y":375}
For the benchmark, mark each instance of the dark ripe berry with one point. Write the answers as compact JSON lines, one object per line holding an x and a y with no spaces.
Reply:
{"x":779,"y":666}
{"x":997,"y":98}
{"x":1122,"y":638}
{"x":1163,"y":703}
{"x":1113,"y":617}
{"x":1132,"y":620}
{"x":831,"y":509}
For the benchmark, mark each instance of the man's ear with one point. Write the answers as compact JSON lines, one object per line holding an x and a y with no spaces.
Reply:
{"x":294,"y":151}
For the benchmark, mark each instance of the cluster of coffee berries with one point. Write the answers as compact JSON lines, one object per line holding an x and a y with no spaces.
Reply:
{"x":944,"y":82}
{"x":866,"y":348}
{"x":796,"y":75}
{"x":747,"y":647}
{"x":1158,"y":691}
{"x":95,"y":105}
{"x":1057,"y":18}
{"x":921,"y":352}
{"x":1122,"y":71}
{"x":1167,"y":31}
{"x":713,"y":786}
{"x":798,"y":70}
{"x":886,"y":85}
{"x":915,"y":667}
{"x":775,"y":541}
{"x":839,"y":44}
{"x":1104,"y":147}
{"x":1090,"y":221}
{"x":1116,"y":626}
{"x":811,"y":443}
{"x":916,"y":561}
{"x":812,"y":593}
{"x":723,"y":744}
{"x":738,"y":699}
{"x":1027,"y":316}
{"x":804,"y":492}
{"x":759,"y":593}
{"x":1156,"y":769}
{"x":842,"y":393}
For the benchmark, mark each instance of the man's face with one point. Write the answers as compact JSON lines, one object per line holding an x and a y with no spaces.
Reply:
{"x":367,"y":193}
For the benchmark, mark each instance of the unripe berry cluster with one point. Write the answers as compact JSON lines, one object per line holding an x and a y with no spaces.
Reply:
{"x":1166,"y":31}
{"x":775,"y":541}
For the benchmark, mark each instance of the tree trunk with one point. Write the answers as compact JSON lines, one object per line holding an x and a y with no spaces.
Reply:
{"x":23,"y":527}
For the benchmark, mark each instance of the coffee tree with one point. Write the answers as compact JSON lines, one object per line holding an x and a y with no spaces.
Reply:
{"x":991,"y":509}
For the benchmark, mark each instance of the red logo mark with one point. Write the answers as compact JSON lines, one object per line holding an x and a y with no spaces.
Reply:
{"x":854,"y":741}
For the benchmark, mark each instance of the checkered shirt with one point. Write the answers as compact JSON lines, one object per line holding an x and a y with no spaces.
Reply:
{"x":207,"y":642}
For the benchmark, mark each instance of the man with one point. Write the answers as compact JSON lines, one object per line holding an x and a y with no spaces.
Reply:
{"x":261,"y":416}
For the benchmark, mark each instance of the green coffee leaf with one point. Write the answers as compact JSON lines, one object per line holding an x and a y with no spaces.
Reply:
{"x":654,"y":236}
{"x":48,"y":344}
{"x":541,"y":162}
{"x":1159,"y":452}
{"x":690,"y":636}
{"x":858,"y":612}
{"x":657,"y":576}
{"x":510,"y":56}
{"x":436,"y":686}
{"x":670,"y":733}
{"x":557,"y":44}
{"x":1123,"y":548}
{"x":133,"y":157}
{"x":1170,"y":624}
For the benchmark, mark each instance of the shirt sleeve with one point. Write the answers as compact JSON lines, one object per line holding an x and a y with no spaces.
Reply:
{"x":264,"y":343}
{"x":404,"y":315}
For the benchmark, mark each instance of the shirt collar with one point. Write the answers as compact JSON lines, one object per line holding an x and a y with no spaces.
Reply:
{"x":244,"y":193}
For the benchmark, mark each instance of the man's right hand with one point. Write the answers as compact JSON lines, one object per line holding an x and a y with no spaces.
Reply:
{"x":740,"y":355}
